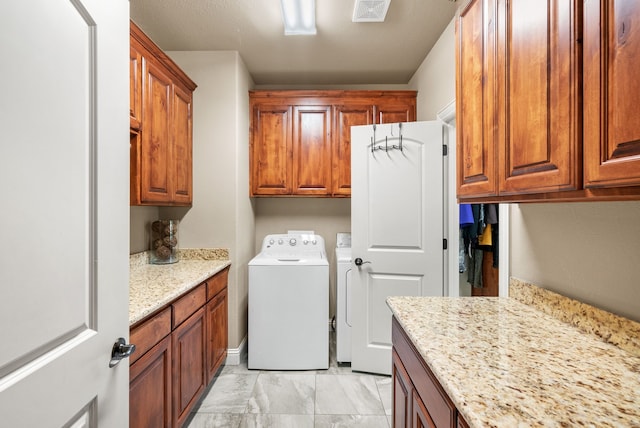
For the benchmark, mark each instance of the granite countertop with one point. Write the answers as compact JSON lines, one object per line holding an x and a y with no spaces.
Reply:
{"x":504,"y":364}
{"x":153,"y":286}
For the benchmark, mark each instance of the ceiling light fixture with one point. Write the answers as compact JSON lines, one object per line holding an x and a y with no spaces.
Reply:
{"x":299,"y":17}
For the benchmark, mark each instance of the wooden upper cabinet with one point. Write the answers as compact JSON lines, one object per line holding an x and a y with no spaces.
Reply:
{"x":312,"y":150}
{"x":346,"y":116}
{"x":182,"y":146}
{"x":301,"y":140}
{"x":135,"y":80}
{"x":611,"y":93}
{"x":539,"y":73}
{"x":271,"y":164}
{"x":156,"y":134}
{"x":391,"y":112}
{"x":161,"y":97}
{"x":476,"y":108}
{"x":545,"y":100}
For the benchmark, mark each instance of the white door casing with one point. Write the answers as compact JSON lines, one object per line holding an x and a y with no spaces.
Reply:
{"x":397,"y":229}
{"x":65,"y":220}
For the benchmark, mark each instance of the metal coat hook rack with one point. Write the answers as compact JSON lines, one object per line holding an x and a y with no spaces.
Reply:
{"x":386,"y":146}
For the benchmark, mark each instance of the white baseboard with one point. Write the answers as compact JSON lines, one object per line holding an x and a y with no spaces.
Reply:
{"x":235,"y":355}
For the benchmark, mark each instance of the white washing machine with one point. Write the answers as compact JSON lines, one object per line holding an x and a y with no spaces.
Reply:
{"x":343,"y":298}
{"x":289,"y":303}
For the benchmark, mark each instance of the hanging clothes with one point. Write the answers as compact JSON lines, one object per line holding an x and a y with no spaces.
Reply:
{"x":466,"y":221}
{"x":466,"y":215}
{"x":462,"y":259}
{"x":491,"y":213}
{"x":474,"y":276}
{"x":486,"y":239}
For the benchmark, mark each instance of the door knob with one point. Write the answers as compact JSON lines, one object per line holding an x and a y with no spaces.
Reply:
{"x":359,"y":261}
{"x":120,"y":351}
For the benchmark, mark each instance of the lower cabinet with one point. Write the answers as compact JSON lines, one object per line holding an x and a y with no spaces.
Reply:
{"x":418,"y":398}
{"x":179,"y":349}
{"x":150,"y":388}
{"x":188,"y":341}
{"x":217,"y":337}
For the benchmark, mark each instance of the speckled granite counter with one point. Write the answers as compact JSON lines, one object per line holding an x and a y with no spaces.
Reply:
{"x":153,"y":286}
{"x":507,"y":364}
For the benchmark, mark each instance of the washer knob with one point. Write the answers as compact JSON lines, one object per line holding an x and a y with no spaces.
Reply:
{"x":314,"y":242}
{"x":292,"y":241}
{"x":271,"y":241}
{"x":280,"y":241}
{"x":306,"y":241}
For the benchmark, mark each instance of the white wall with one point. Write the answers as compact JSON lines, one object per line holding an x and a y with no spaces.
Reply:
{"x":435,"y":79}
{"x":222,"y":213}
{"x":589,"y":251}
{"x":140,"y":219}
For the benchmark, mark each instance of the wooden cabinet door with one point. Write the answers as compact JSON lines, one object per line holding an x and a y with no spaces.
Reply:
{"x":402,"y":392}
{"x":189,"y":368}
{"x":345,"y":117}
{"x":217,"y":334}
{"x":420,"y":416}
{"x":476,"y":96}
{"x":157,"y":95}
{"x":135,"y":82}
{"x":539,"y":72}
{"x":611,"y":93}
{"x":150,"y":388}
{"x":271,"y":168}
{"x":311,"y":146}
{"x":181,"y":159}
{"x":396,"y":112}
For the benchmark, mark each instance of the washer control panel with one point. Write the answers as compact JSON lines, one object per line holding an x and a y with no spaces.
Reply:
{"x":296,"y":242}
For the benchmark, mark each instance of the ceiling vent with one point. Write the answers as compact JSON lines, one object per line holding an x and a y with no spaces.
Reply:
{"x":370,"y":10}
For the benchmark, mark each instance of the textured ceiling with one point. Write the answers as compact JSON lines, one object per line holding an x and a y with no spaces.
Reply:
{"x":342,"y":53}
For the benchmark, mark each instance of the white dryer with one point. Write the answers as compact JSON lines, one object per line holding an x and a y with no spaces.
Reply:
{"x":289,"y":303}
{"x":343,"y":297}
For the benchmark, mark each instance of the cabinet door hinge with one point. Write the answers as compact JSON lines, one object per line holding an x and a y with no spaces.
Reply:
{"x":444,"y":244}
{"x":445,"y":150}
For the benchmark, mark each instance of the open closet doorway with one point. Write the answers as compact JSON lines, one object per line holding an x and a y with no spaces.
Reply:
{"x":494,"y":279}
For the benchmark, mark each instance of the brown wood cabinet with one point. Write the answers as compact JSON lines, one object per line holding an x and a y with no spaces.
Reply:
{"x":539,"y":69}
{"x":611,"y":92}
{"x":346,"y":116}
{"x":135,"y":91}
{"x":311,"y":150}
{"x":217,"y":336}
{"x":188,"y":341}
{"x":150,"y":378}
{"x":418,"y":398}
{"x":476,"y":115}
{"x":301,"y":140}
{"x":520,"y":73}
{"x":161,"y":126}
{"x":179,"y":349}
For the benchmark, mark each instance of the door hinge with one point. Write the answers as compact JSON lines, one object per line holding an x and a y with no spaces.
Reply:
{"x":444,"y":244}
{"x":445,"y":150}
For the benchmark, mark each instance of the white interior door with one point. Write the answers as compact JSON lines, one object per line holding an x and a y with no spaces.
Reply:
{"x":396,"y":229}
{"x":65,"y":218}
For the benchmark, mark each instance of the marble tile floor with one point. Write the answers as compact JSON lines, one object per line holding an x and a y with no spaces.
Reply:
{"x":337,"y":397}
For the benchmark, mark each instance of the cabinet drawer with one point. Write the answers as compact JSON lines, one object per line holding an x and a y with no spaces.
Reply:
{"x":188,"y":304}
{"x":146,"y":335}
{"x":216,"y":283}
{"x":440,"y":408}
